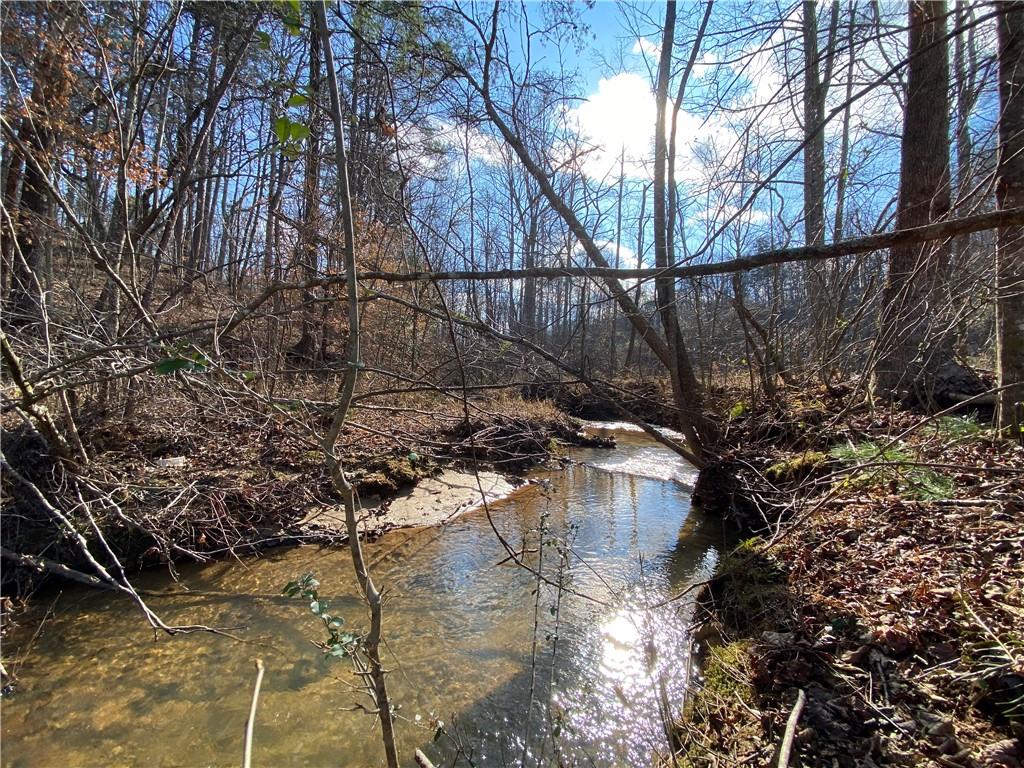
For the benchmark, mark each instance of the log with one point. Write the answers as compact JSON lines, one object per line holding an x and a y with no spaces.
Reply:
{"x":45,"y":565}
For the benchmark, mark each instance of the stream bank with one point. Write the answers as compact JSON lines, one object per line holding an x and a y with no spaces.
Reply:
{"x":880,"y":596}
{"x":194,"y":482}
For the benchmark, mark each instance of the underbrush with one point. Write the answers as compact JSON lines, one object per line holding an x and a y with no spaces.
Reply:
{"x":886,"y":585}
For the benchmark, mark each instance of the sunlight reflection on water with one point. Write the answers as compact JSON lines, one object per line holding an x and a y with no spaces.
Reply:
{"x":638,"y":454}
{"x":98,"y":689}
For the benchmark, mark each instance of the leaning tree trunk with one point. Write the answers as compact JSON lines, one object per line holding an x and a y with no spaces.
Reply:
{"x":692,"y":420}
{"x":1010,"y":240}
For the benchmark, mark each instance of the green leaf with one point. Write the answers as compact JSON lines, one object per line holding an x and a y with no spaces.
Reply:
{"x":172,"y":365}
{"x":298,"y":131}
{"x":262,"y":40}
{"x":292,"y":28}
{"x":282,"y":128}
{"x":297,"y":100}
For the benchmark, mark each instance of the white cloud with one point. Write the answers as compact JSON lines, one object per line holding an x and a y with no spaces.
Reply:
{"x":646,"y":47}
{"x":618,"y":119}
{"x":627,"y":255}
{"x":705,"y":64}
{"x":436,"y":147}
{"x":750,"y":217}
{"x":482,"y":146}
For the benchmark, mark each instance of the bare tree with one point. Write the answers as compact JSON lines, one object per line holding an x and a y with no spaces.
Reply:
{"x":1010,"y":240}
{"x":343,"y":201}
{"x":51,"y":87}
{"x":912,"y":294}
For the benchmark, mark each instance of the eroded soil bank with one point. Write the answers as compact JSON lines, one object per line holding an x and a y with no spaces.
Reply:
{"x":876,"y":617}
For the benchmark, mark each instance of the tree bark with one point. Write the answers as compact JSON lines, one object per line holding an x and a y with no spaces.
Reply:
{"x":908,"y":353}
{"x":814,"y":176}
{"x":307,"y":348}
{"x":1010,"y":240}
{"x":50,"y":90}
{"x":693,"y":424}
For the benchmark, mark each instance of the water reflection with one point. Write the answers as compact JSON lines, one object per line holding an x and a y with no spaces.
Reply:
{"x":639,"y":455}
{"x":472,"y":643}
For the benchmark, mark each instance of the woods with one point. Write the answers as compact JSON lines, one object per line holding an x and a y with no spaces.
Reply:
{"x":261,"y":261}
{"x":167,"y":186}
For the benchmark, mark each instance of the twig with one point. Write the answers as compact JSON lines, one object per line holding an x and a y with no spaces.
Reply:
{"x":787,"y":738}
{"x":247,"y":754}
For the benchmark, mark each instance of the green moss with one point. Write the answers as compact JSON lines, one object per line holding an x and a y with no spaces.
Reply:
{"x":749,"y":592}
{"x":796,"y":468}
{"x":726,"y":678}
{"x":744,"y":548}
{"x":727,"y":673}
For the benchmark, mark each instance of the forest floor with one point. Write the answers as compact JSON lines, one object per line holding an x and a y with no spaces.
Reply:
{"x":878,"y":617}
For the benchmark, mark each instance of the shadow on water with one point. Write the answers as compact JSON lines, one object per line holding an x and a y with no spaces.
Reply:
{"x":99,"y":689}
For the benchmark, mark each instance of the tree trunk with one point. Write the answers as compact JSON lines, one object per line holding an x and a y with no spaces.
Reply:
{"x":306,"y":349}
{"x":815,"y":92}
{"x":1010,"y":240}
{"x":693,"y":424}
{"x":529,"y":305}
{"x":914,"y":359}
{"x":844,"y":149}
{"x":14,"y":169}
{"x":50,"y":91}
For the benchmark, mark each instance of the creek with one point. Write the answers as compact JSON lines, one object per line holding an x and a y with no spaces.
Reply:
{"x":471,"y":639}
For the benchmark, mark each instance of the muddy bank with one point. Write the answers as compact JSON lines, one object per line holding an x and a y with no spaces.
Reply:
{"x":879,"y":606}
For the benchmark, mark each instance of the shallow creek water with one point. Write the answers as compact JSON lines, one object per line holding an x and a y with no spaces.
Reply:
{"x":471,"y":641}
